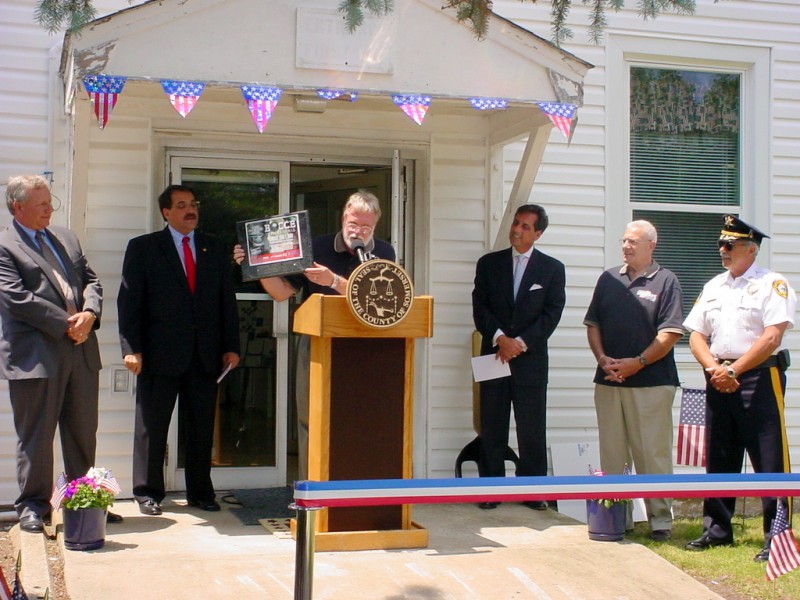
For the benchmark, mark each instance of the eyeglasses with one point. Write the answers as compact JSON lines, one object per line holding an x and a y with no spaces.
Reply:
{"x":632,"y":242}
{"x":185,"y":205}
{"x":364,"y":229}
{"x":727,"y":246}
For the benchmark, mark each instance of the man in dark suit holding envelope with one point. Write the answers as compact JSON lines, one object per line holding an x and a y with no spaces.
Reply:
{"x":516,"y":304}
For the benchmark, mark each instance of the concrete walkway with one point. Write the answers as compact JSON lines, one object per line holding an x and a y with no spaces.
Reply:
{"x":508,"y":553}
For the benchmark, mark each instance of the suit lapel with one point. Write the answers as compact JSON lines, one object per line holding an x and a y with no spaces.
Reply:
{"x":27,"y":245}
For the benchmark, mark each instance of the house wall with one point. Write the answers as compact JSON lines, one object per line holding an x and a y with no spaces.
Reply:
{"x":583,"y":185}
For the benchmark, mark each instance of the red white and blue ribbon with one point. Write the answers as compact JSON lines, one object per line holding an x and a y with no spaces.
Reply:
{"x":390,"y":492}
{"x":183,"y":95}
{"x":103,"y":91}
{"x":560,"y":114}
{"x":334,"y":94}
{"x":488,"y":103}
{"x":414,"y":106}
{"x":261,"y":101}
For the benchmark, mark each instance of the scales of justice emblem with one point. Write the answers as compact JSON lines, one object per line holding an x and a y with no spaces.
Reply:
{"x":379,"y":293}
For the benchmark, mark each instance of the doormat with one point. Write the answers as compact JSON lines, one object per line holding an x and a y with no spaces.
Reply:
{"x":280,"y":528}
{"x":268,"y":503}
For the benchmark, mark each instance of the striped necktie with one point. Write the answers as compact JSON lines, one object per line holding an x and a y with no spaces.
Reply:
{"x":58,"y":271}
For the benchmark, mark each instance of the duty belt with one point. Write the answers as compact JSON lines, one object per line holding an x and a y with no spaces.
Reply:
{"x":772,"y":361}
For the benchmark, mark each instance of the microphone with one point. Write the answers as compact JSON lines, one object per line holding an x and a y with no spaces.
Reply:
{"x":357,"y":244}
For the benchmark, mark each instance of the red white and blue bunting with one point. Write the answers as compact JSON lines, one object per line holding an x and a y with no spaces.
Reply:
{"x":183,"y":95}
{"x":416,"y":107}
{"x":103,"y":91}
{"x":561,"y":116}
{"x":262,"y":101}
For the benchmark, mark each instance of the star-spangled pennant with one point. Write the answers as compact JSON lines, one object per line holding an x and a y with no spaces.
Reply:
{"x":414,"y":106}
{"x":488,"y":103}
{"x":103,"y":91}
{"x":183,"y":94}
{"x":333,"y":94}
{"x":560,"y":114}
{"x":261,"y":101}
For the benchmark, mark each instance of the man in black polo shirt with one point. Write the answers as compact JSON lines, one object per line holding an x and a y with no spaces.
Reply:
{"x":633,"y":322}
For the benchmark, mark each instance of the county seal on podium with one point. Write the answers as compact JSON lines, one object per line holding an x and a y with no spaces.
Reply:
{"x":379,"y":293}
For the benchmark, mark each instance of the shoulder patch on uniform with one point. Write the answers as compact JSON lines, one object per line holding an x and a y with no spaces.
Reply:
{"x":781,"y":288}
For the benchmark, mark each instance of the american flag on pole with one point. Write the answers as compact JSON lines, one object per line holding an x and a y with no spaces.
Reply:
{"x":59,"y":490}
{"x":103,"y":92}
{"x":414,"y":106}
{"x":784,"y":555}
{"x":692,"y":428}
{"x":261,"y":101}
{"x":560,"y":114}
{"x":183,"y":94}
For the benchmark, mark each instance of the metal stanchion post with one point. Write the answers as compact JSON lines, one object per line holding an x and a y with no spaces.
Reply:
{"x":304,"y":551}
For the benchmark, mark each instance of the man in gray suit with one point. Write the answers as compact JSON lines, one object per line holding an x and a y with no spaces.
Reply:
{"x":50,"y":306}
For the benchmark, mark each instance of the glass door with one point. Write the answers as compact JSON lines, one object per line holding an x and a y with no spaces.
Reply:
{"x":250,"y":427}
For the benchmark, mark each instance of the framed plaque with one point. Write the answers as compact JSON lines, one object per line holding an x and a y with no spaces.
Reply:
{"x":277,"y":245}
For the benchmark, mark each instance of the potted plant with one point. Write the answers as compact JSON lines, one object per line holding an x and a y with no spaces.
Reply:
{"x":85,"y":502}
{"x":606,"y":517}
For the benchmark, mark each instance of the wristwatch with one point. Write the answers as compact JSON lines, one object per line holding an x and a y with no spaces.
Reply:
{"x":642,"y":360}
{"x":731,"y":373}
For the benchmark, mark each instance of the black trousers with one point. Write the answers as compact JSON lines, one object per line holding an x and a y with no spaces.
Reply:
{"x":530,"y":403}
{"x":196,"y":392}
{"x":750,"y":420}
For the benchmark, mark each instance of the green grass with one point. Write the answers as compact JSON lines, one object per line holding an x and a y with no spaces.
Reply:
{"x":727,"y":570}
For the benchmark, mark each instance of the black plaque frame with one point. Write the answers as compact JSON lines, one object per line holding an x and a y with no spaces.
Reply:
{"x":276,"y":245}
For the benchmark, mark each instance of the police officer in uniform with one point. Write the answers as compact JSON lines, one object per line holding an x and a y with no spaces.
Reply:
{"x":737,"y":327}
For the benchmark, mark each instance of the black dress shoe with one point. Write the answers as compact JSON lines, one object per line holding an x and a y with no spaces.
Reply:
{"x":150,"y":507}
{"x":207,"y":505}
{"x":113,"y":518}
{"x":762,"y":556}
{"x":704,"y":543}
{"x":32,"y":523}
{"x":488,"y":505}
{"x":660,"y":535}
{"x":536,"y":504}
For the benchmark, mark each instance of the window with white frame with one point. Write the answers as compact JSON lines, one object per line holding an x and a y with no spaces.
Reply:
{"x":685,"y":168}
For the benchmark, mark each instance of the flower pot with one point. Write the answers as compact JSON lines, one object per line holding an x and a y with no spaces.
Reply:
{"x":606,"y":524}
{"x":85,"y":528}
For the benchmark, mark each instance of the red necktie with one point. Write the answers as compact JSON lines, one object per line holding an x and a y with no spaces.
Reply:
{"x":188,"y":262}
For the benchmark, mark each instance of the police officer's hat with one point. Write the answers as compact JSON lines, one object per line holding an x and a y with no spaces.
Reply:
{"x":736,"y":229}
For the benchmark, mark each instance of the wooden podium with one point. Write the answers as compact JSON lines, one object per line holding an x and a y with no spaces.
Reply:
{"x":361,"y":384}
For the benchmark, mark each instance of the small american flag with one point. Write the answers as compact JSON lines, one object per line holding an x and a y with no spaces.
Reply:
{"x":560,"y":114}
{"x":415,"y":107}
{"x":59,"y":490}
{"x":103,"y":92}
{"x":334,"y":94}
{"x":19,"y":593}
{"x":784,"y":555}
{"x":692,"y":428}
{"x":183,"y":95}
